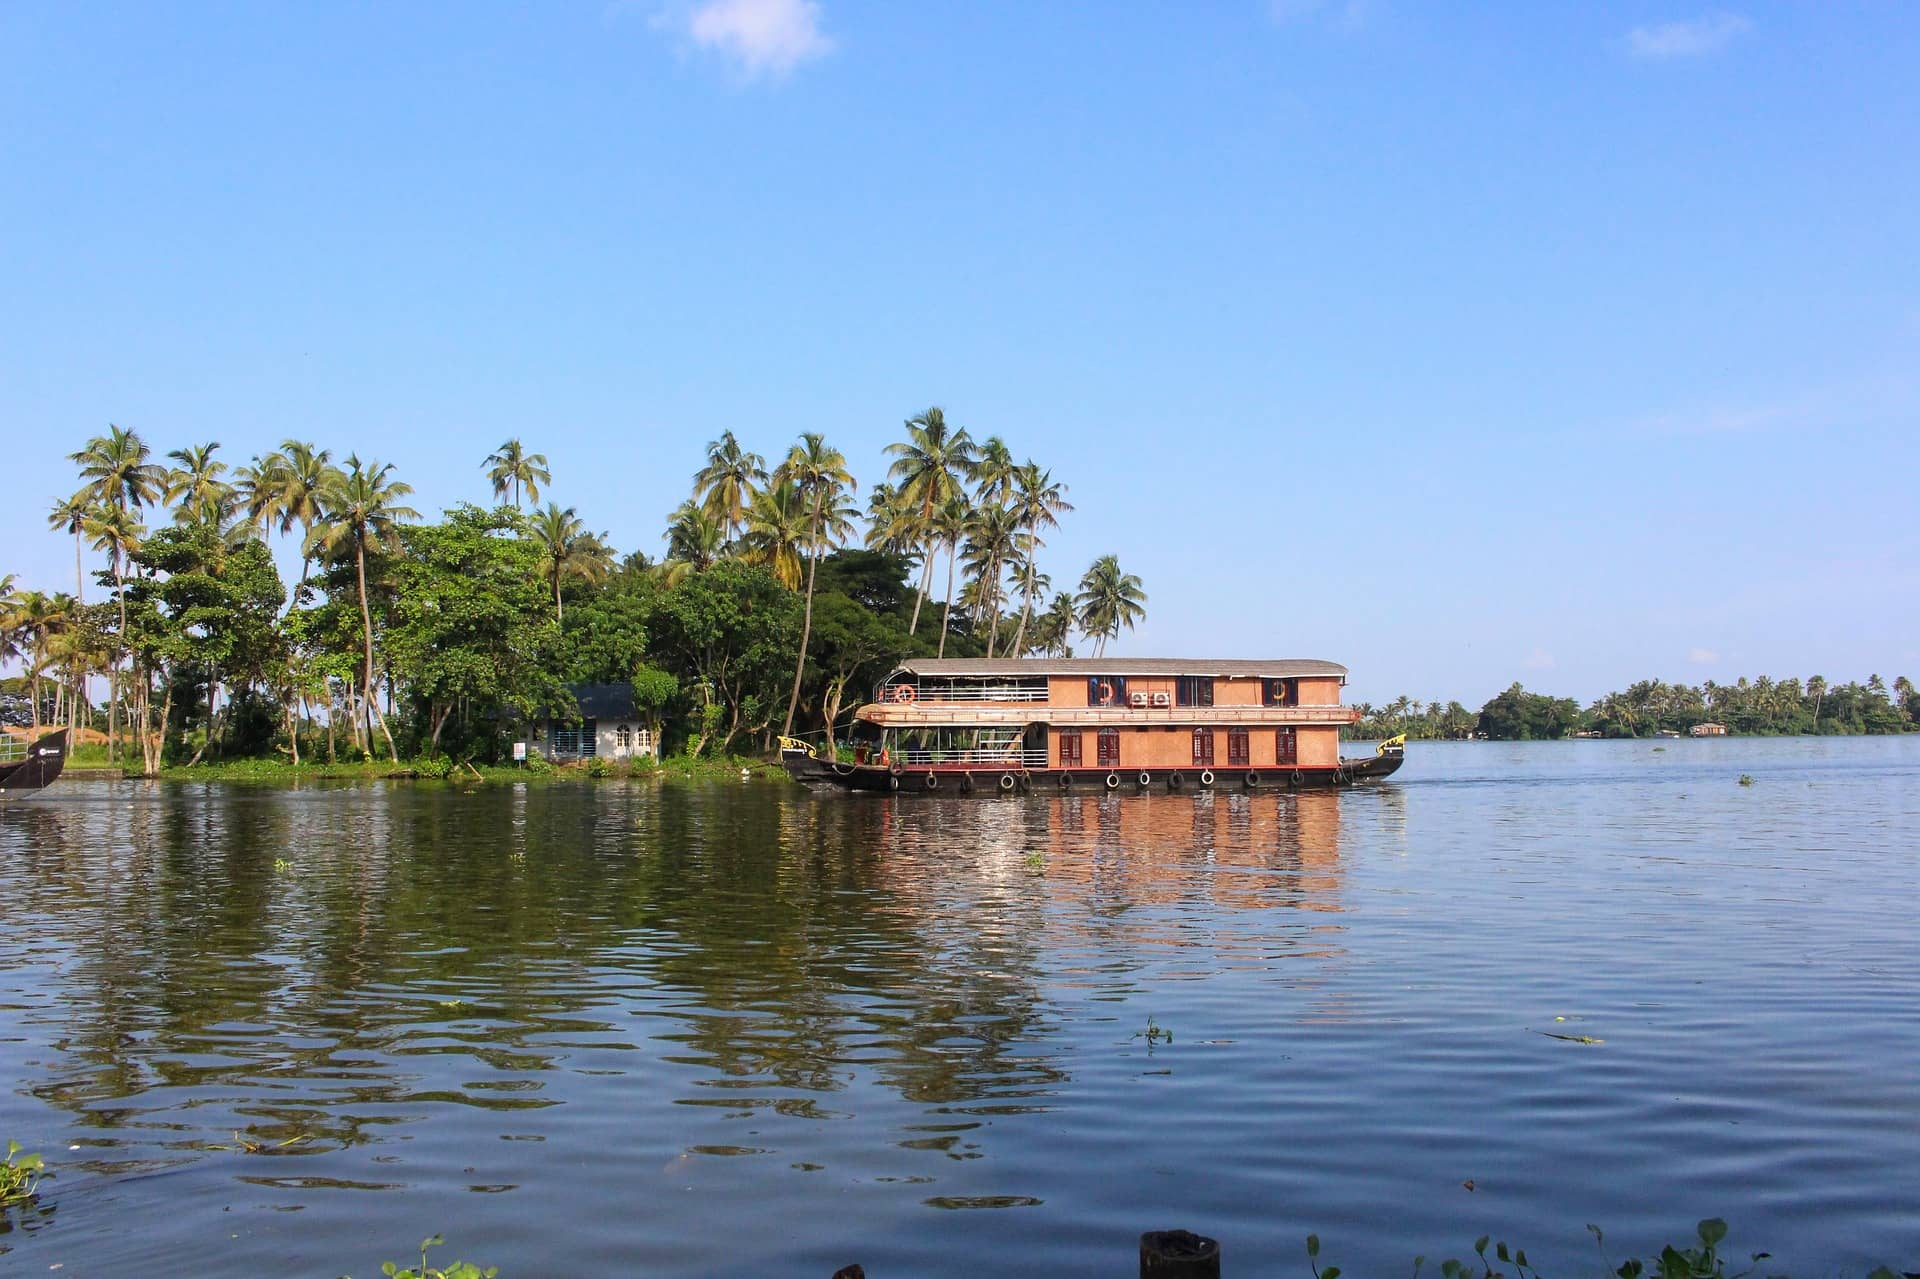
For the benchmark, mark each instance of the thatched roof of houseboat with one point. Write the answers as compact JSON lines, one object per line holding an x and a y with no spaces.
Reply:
{"x":1219,"y":668}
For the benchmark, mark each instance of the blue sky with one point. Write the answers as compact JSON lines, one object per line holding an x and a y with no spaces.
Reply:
{"x":1461,"y":344}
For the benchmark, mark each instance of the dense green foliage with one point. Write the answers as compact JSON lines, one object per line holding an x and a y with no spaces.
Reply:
{"x":1762,"y":706}
{"x":415,"y":638}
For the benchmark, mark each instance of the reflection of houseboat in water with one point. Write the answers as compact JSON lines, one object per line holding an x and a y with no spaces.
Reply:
{"x":1145,"y":724}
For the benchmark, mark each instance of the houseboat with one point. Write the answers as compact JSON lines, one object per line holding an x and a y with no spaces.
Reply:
{"x":1013,"y":725}
{"x":31,"y":766}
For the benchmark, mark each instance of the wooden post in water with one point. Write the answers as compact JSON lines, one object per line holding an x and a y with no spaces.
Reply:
{"x":1178,"y":1254}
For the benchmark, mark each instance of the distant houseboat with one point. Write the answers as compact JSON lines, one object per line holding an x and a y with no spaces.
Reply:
{"x":1064,"y":724}
{"x":1708,"y":730}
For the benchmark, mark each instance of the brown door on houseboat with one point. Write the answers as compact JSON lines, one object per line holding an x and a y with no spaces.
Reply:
{"x":1237,"y":753}
{"x":1202,"y":747}
{"x":1070,"y":756}
{"x":1286,"y":746}
{"x":1109,"y":748}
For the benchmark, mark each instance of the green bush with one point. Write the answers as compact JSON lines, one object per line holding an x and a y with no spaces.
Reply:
{"x":598,"y":768}
{"x":435,"y":768}
{"x":538,"y":764}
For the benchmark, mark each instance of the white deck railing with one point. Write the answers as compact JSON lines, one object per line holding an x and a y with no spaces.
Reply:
{"x":12,"y":748}
{"x":889,"y":693}
{"x":990,"y":757}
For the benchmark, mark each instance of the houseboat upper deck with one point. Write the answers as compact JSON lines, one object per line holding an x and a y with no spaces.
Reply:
{"x":1010,"y":724}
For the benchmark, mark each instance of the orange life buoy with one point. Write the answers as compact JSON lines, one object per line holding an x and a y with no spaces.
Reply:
{"x":904,"y":692}
{"x":1105,"y":695}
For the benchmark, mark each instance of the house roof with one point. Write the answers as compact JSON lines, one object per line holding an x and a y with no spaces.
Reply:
{"x":603,"y":701}
{"x":1223,"y":668}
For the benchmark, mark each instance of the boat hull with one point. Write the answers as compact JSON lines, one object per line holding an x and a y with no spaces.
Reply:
{"x":44,"y":759}
{"x":975,"y":781}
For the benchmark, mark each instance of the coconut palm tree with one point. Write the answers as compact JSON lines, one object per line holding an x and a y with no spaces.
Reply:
{"x":360,"y":507}
{"x":994,"y":473}
{"x":195,"y":487}
{"x":993,"y":539}
{"x":1053,"y":629}
{"x":69,"y":515}
{"x":725,"y":486}
{"x":512,"y":468}
{"x":1040,"y":501}
{"x":777,"y":531}
{"x":1034,"y":585}
{"x":1817,"y":689}
{"x":37,"y":619}
{"x":118,"y":476}
{"x":819,"y":472}
{"x":951,"y":520}
{"x":695,"y":540}
{"x":259,"y":488}
{"x":307,"y":472}
{"x":889,"y":522}
{"x":116,"y":471}
{"x":1109,"y":599}
{"x":568,"y":550}
{"x":931,"y":466}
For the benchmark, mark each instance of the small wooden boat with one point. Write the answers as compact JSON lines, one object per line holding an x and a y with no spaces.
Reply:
{"x":30,"y":766}
{"x":1016,"y":725}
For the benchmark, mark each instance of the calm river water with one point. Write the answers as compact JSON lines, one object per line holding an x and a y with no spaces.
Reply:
{"x":733,"y":1029}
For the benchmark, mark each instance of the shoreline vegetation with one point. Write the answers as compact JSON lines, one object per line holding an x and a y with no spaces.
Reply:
{"x":431,"y":645}
{"x":434,"y":644}
{"x":1762,"y":707}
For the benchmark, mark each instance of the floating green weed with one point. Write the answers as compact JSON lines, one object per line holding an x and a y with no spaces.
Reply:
{"x":21,"y":1175}
{"x":1702,"y":1260}
{"x":1155,"y":1034}
{"x":457,"y":1270}
{"x":1746,"y":779}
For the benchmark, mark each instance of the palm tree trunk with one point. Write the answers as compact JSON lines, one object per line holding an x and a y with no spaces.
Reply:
{"x":559,"y":609}
{"x":366,"y":624}
{"x":946,"y":619}
{"x":1026,"y":611}
{"x":993,"y":617}
{"x":806,"y":623}
{"x":920,"y":588}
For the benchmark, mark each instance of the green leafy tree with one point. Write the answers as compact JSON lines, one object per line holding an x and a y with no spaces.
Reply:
{"x":728,"y":634}
{"x":469,"y":630}
{"x":1517,"y":715}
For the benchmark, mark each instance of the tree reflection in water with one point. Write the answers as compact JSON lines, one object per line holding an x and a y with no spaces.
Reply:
{"x":339,"y":964}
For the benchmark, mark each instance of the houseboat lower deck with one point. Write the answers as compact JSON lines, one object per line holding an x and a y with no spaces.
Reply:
{"x":1013,"y":726}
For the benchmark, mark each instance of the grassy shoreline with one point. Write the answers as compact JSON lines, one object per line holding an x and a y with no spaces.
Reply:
{"x":283,"y":772}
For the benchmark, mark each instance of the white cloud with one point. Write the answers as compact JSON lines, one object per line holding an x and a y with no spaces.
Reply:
{"x":1702,"y":656}
{"x":760,"y":37}
{"x":1538,"y":660}
{"x":1692,"y":39}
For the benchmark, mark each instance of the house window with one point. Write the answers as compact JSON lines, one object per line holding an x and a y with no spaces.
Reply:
{"x":1282,"y":692}
{"x":574,"y":742}
{"x":1107,"y":690}
{"x":1202,"y":747}
{"x":1070,"y":756}
{"x":1237,"y":753}
{"x":1193,"y":690}
{"x":1286,"y":747}
{"x":623,"y":738}
{"x":1109,"y":747}
{"x":643,"y":741}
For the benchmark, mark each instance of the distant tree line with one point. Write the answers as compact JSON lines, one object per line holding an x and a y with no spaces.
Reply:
{"x":1763,"y":706}
{"x":777,"y":601}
